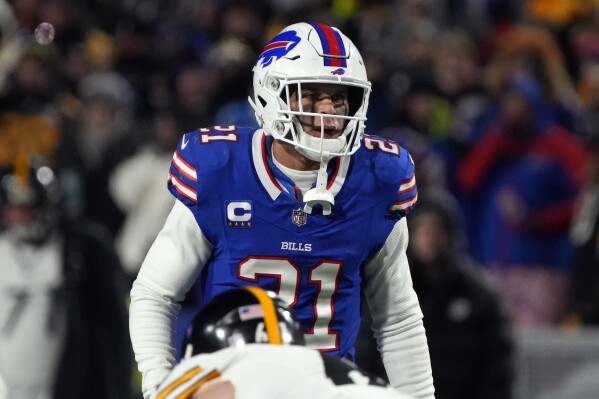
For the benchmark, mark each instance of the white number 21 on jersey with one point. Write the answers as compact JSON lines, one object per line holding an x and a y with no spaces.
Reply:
{"x":324,"y":275}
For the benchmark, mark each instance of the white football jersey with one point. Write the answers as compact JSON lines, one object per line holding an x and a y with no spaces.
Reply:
{"x":32,"y":318}
{"x":354,"y":391}
{"x":261,"y":371}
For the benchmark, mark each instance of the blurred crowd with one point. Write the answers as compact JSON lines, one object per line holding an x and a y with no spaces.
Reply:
{"x":496,"y":100}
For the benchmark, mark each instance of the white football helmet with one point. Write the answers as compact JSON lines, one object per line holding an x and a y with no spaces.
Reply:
{"x":309,"y":53}
{"x":306,"y":53}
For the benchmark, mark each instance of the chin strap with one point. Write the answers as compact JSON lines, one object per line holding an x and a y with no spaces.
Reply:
{"x":319,"y":195}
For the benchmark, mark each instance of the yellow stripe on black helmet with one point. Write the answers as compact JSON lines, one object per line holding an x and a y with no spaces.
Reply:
{"x":243,"y":316}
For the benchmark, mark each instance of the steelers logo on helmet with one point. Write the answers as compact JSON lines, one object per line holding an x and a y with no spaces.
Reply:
{"x":306,"y":54}
{"x":242,"y":316}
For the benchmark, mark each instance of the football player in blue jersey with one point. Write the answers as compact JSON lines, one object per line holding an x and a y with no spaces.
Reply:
{"x":307,"y":206}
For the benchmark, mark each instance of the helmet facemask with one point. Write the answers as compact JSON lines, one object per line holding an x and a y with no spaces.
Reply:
{"x":296,"y":114}
{"x":29,"y":201}
{"x":35,"y":230}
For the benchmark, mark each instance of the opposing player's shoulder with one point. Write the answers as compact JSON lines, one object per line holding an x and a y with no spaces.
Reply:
{"x":365,"y":391}
{"x":343,"y":372}
{"x":191,"y":374}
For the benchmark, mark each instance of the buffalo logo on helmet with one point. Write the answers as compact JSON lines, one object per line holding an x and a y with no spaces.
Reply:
{"x":278,"y":47}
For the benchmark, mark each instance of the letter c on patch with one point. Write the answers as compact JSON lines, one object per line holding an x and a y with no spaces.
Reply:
{"x":239,"y":211}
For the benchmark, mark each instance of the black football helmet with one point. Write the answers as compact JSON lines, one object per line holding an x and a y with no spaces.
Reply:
{"x":242,"y":316}
{"x":31,"y":185}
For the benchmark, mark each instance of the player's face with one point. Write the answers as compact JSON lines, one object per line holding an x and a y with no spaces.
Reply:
{"x":327,"y":99}
{"x":20,"y":214}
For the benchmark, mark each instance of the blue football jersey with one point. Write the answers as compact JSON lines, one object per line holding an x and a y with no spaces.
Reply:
{"x":249,"y":211}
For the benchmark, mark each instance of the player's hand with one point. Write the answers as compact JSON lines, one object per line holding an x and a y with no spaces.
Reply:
{"x":187,"y":378}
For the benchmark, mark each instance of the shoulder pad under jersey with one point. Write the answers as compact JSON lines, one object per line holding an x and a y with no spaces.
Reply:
{"x":205,"y":150}
{"x":393,"y":168}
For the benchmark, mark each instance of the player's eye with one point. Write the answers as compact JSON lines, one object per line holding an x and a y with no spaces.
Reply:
{"x":309,"y":96}
{"x":339,"y":98}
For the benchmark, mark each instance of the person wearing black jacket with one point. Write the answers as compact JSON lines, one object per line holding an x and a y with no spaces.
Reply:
{"x":583,"y":306}
{"x":63,"y":315}
{"x":468,"y":332}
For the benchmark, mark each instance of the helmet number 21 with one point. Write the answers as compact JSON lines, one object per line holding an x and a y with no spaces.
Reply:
{"x":324,"y":275}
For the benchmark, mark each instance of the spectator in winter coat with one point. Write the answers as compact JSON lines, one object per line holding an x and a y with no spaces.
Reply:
{"x":584,"y":293}
{"x":520,"y":183}
{"x":463,"y":314}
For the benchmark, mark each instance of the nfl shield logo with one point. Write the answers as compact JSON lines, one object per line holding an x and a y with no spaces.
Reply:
{"x":299,"y":217}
